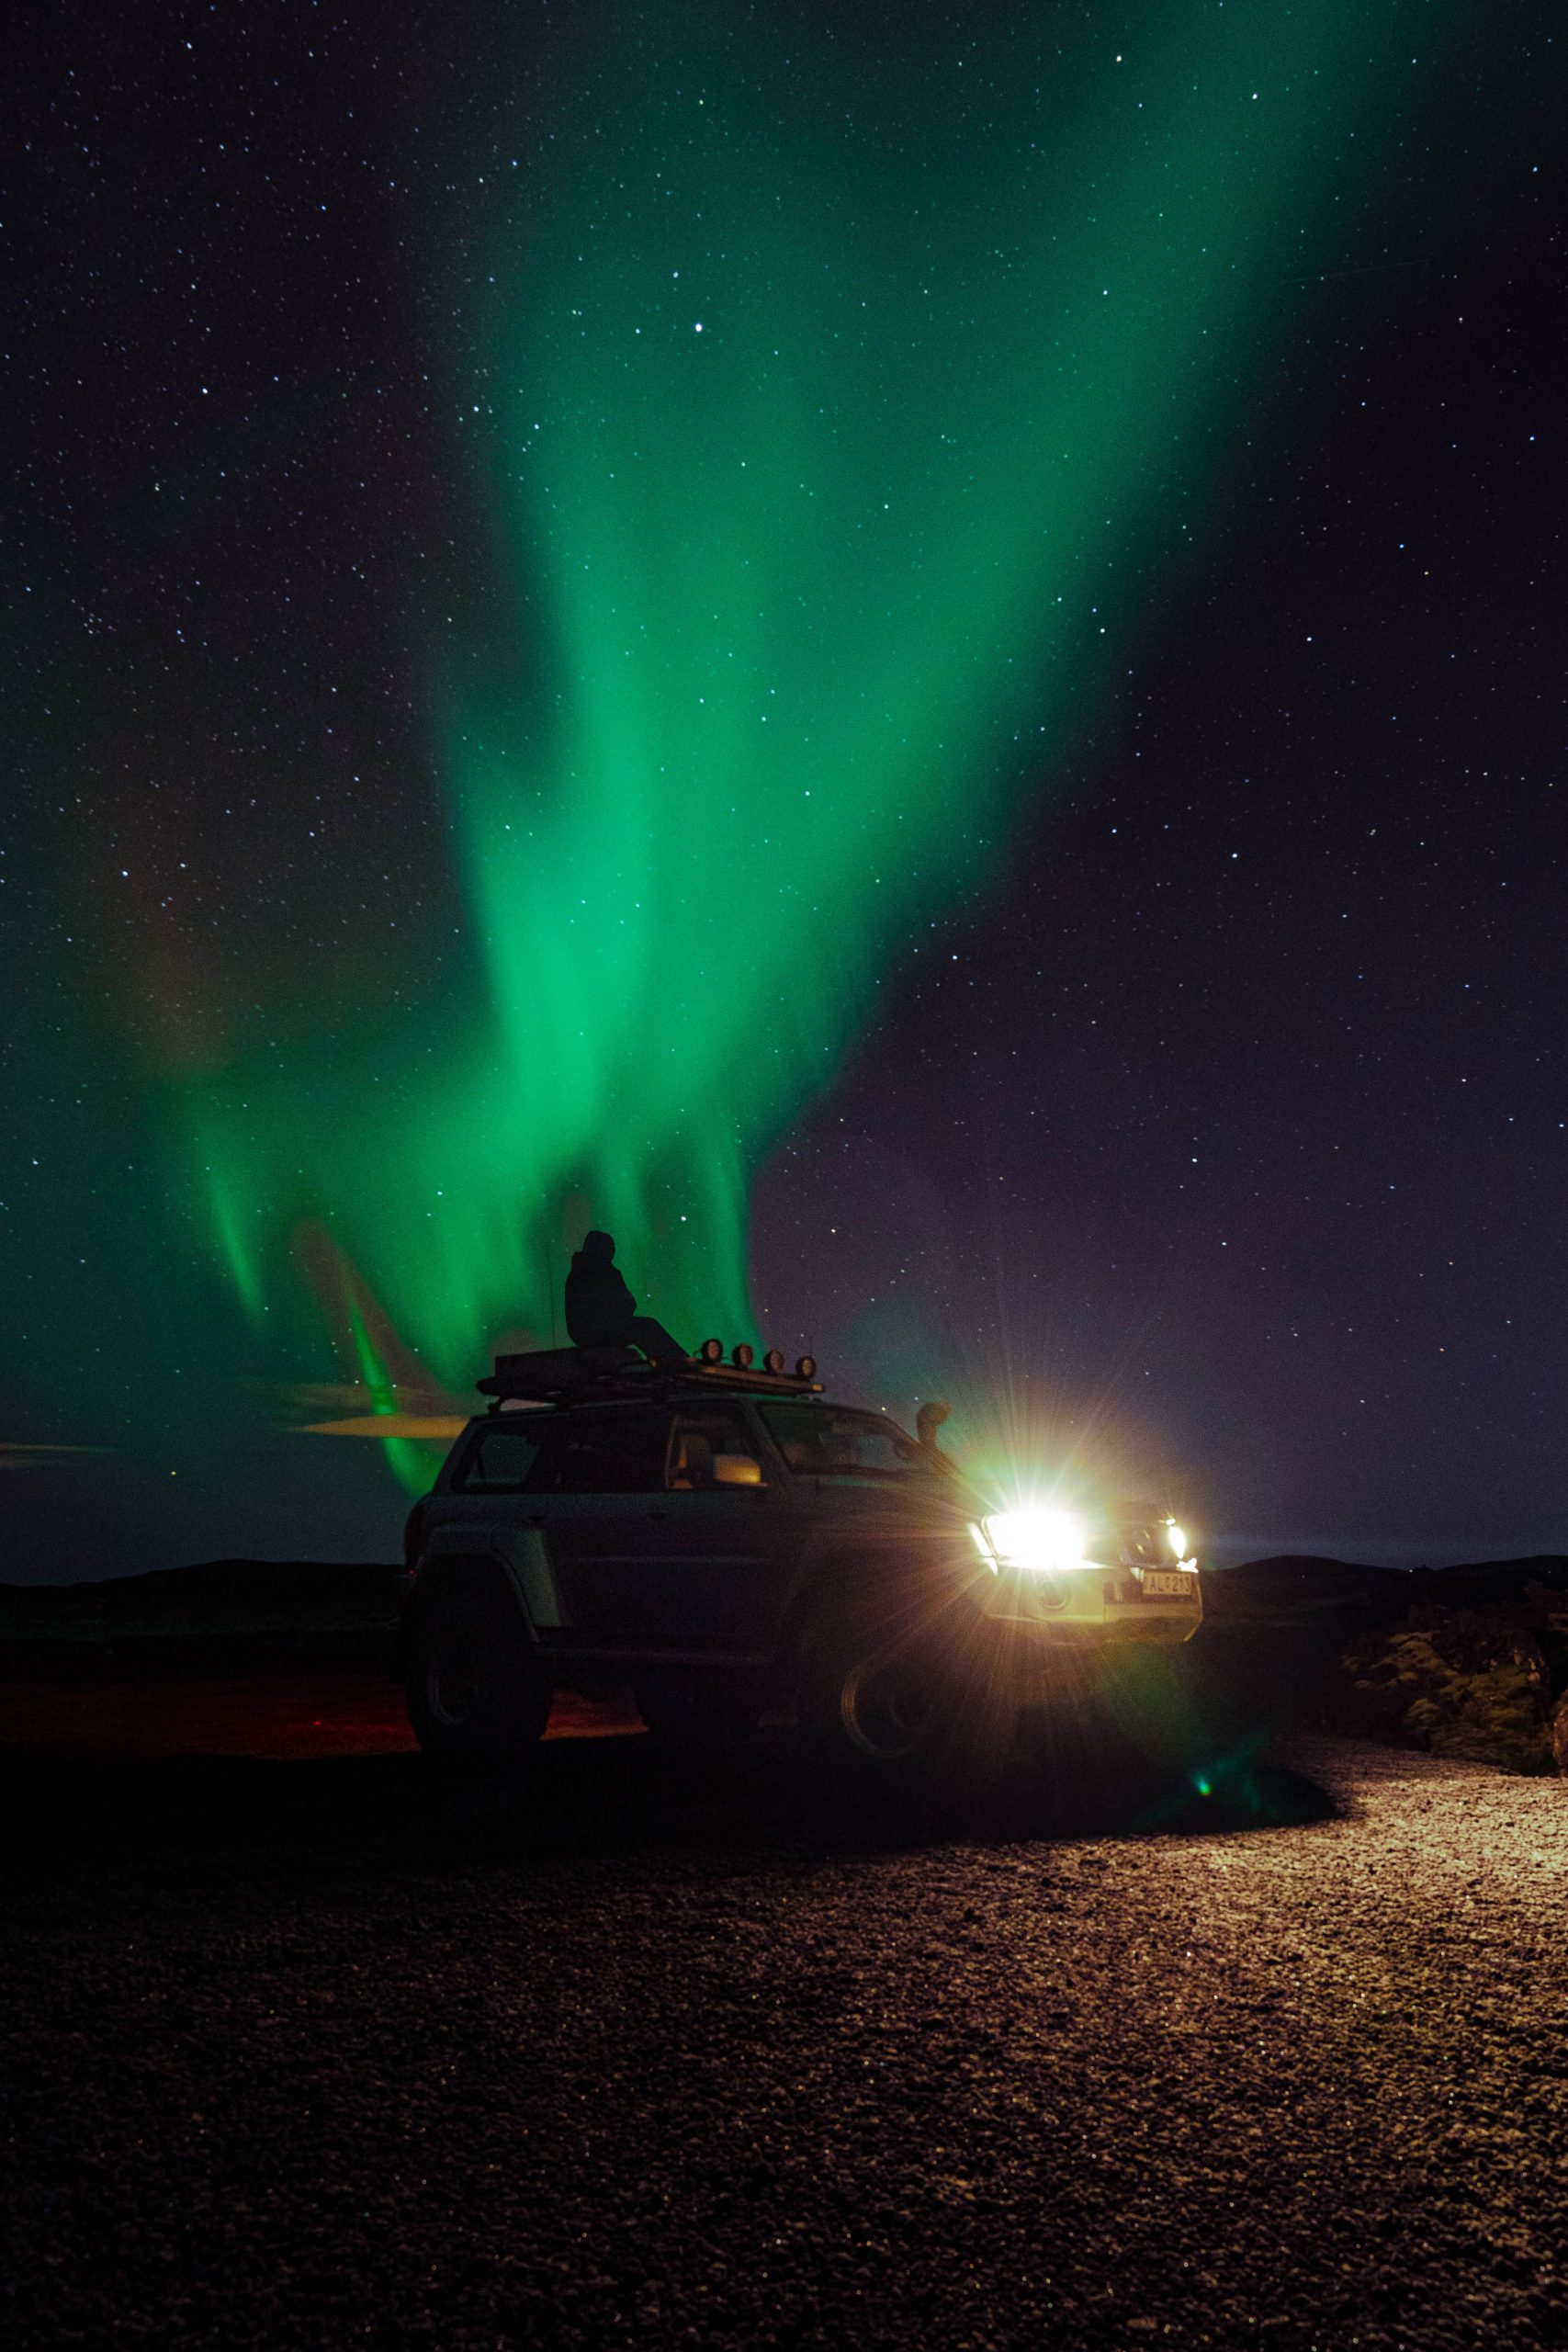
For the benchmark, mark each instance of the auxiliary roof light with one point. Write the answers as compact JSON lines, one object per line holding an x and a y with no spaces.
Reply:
{"x":711,"y":1351}
{"x":806,"y":1368}
{"x":774,"y":1361}
{"x":742,"y":1355}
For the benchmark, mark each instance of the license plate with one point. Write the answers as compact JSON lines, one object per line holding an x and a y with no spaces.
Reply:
{"x":1162,"y":1585}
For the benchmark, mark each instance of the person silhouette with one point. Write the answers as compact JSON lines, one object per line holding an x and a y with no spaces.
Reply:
{"x":601,"y":1311}
{"x":927,"y":1420}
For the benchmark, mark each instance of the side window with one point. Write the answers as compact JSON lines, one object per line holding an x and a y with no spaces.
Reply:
{"x":500,"y":1460}
{"x":818,"y":1441}
{"x":620,"y":1454}
{"x":708,"y":1435}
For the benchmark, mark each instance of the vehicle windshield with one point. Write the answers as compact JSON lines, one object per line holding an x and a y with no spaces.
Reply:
{"x":823,"y":1440}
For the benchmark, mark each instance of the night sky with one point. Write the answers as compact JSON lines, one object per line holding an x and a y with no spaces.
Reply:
{"x":915,"y":656}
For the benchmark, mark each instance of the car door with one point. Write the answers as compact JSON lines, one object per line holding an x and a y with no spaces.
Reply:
{"x":725,"y":1523}
{"x":599,"y":1483}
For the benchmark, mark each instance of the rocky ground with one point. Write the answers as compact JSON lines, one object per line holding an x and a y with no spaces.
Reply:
{"x":303,"y":2052}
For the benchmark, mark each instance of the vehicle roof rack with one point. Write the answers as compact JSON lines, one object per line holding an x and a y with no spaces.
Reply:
{"x":605,"y":1375}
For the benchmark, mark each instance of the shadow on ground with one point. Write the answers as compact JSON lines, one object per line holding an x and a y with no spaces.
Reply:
{"x":591,"y":1797}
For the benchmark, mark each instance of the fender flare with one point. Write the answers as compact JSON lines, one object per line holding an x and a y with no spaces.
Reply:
{"x":445,"y":1573}
{"x":873,"y":1571}
{"x":827,"y":1580}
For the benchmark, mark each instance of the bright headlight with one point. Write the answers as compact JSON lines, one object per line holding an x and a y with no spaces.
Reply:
{"x":1036,"y":1539}
{"x":1177,"y":1538}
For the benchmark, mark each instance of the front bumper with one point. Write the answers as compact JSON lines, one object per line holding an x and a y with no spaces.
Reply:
{"x":1093,"y":1607}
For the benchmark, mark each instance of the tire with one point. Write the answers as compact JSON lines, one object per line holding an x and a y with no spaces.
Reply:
{"x":478,"y":1692}
{"x":905,"y":1714}
{"x":697,"y":1715}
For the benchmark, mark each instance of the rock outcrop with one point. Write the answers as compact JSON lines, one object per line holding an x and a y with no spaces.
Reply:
{"x":1486,"y":1684}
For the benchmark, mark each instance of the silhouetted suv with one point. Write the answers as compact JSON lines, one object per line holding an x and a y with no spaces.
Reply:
{"x":730,"y":1543}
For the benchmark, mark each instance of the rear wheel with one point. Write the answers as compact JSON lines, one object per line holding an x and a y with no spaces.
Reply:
{"x":903,"y":1713}
{"x":477,"y":1692}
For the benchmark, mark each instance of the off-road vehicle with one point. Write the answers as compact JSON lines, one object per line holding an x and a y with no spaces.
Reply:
{"x":730,"y":1543}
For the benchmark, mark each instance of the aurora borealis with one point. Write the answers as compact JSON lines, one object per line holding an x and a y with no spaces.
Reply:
{"x":809,"y":522}
{"x":728,"y":470}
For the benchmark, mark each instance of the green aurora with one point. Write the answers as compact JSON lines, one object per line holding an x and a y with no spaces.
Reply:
{"x":816,"y":468}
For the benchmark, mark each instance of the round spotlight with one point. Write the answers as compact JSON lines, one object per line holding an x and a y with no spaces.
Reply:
{"x":773,"y":1360}
{"x":711,"y":1351}
{"x":806,"y":1369}
{"x":742,"y":1355}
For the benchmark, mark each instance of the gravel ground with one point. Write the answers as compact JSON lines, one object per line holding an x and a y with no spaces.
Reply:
{"x":303,"y":2054}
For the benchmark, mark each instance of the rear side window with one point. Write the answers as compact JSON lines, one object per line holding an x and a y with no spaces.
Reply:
{"x":500,"y":1460}
{"x":621,"y":1454}
{"x":698,"y":1436}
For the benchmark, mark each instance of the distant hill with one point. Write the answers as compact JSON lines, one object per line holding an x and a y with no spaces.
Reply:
{"x":304,"y":1601}
{"x":1298,"y":1587}
{"x":260,"y":1599}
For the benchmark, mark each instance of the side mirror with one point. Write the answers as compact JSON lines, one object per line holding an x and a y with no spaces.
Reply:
{"x":735,"y":1470}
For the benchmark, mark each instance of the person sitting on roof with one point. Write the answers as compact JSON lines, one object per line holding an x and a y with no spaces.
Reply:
{"x":601,"y":1311}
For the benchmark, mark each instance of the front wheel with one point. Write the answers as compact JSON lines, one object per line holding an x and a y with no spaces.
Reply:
{"x":907,"y":1715}
{"x":478,"y":1692}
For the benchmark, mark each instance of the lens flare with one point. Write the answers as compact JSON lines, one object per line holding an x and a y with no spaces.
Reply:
{"x":1037,"y":1539}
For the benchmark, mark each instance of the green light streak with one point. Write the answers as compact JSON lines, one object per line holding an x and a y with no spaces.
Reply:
{"x":774,"y":620}
{"x":411,"y":1464}
{"x":225,"y":1190}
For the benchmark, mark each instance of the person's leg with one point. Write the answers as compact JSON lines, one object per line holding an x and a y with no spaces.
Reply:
{"x":655,"y":1340}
